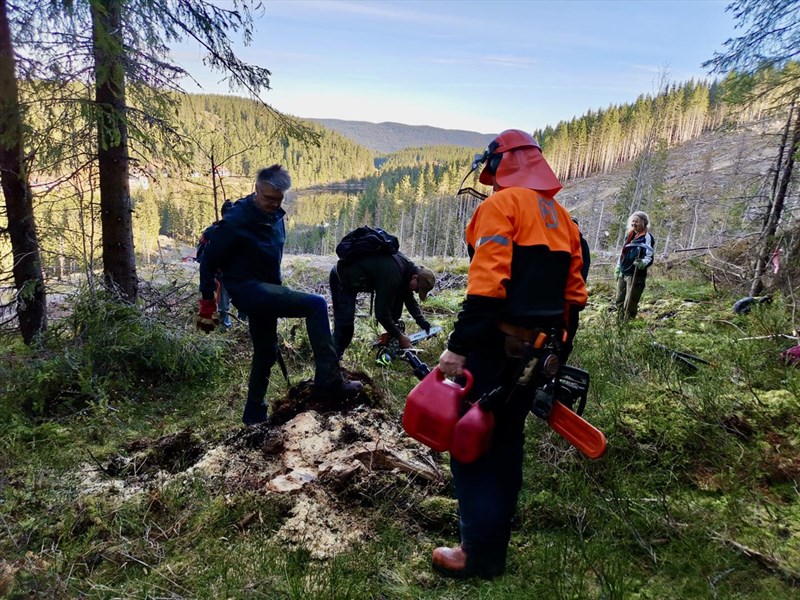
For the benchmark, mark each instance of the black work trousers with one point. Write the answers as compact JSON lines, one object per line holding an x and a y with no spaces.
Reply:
{"x":487,"y":489}
{"x":343,"y":300}
{"x":264,"y":303}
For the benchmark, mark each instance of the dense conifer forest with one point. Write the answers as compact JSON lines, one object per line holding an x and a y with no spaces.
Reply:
{"x":411,"y":192}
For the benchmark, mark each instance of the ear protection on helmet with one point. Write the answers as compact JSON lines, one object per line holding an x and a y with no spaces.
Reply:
{"x":494,"y":158}
{"x":487,"y":155}
{"x":513,"y":159}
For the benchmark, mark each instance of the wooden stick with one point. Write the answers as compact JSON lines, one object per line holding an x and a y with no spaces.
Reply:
{"x":766,"y":561}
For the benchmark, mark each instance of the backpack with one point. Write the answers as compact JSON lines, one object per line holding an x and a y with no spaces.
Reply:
{"x":201,"y":244}
{"x":365,"y":241}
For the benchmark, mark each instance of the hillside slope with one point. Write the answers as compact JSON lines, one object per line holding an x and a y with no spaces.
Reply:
{"x":711,"y":191}
{"x":391,"y":137}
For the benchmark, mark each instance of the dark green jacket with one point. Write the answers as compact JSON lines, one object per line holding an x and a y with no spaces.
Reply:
{"x":388,"y":277}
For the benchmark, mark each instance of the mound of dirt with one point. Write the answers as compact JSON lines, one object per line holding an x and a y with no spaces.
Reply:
{"x":303,"y":397}
{"x":333,"y":460}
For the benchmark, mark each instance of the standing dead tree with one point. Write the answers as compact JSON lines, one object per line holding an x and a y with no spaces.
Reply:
{"x":782,"y":176}
{"x":763,"y":66}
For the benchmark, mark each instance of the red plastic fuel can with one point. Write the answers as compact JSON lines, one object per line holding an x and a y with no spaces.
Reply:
{"x":472,"y":434}
{"x":433,"y":408}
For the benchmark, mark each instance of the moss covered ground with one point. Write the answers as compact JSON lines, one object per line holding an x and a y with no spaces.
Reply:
{"x":103,"y":425}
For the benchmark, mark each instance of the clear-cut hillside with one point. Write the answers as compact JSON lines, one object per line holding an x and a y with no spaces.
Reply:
{"x":713,"y":188}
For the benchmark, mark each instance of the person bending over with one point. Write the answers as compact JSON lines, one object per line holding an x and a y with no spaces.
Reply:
{"x":393,"y":279}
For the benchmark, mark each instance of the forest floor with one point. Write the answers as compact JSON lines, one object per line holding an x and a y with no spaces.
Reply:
{"x":126,"y":472}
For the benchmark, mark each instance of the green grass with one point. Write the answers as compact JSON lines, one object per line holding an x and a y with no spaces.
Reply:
{"x":697,"y":463}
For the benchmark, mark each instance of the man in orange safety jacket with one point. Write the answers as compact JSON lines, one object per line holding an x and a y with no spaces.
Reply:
{"x":524,"y":278}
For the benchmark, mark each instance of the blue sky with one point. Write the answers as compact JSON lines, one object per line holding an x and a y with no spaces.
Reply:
{"x":482,"y":65}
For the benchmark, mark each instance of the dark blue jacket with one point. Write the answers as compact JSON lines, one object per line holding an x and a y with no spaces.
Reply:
{"x":246,"y":244}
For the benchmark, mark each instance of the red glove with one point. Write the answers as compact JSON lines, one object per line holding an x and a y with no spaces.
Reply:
{"x":207,"y":316}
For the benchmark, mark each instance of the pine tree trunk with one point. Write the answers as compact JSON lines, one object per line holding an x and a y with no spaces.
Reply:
{"x":777,"y":175}
{"x":414,"y":229}
{"x":28,"y":276}
{"x":448,"y":229}
{"x":694,"y":224}
{"x":425,"y":225}
{"x":119,"y":260}
{"x":665,"y":251}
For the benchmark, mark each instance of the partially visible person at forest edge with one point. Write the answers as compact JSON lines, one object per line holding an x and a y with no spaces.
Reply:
{"x":223,"y":298}
{"x":245,"y":251}
{"x":635,"y":258}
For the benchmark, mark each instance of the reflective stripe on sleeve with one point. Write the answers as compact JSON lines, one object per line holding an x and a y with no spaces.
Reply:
{"x":500,"y":239}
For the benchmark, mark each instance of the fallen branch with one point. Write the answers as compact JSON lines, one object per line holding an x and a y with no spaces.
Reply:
{"x":248,"y":519}
{"x":103,"y":469}
{"x":387,"y":459}
{"x":768,"y":562}
{"x":695,"y":248}
{"x":766,"y":337}
{"x":729,"y":323}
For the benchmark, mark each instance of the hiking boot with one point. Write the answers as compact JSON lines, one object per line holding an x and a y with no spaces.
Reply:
{"x":452,"y":562}
{"x":254,"y":414}
{"x":343,"y":389}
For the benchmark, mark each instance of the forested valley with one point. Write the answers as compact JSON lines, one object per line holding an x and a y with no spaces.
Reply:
{"x":412,"y":193}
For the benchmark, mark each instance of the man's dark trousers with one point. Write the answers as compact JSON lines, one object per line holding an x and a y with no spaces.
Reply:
{"x":344,"y":312}
{"x":265,"y":303}
{"x":487,"y":489}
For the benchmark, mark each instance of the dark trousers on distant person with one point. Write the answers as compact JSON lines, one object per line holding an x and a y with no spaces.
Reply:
{"x":487,"y":489}
{"x":264,"y":303}
{"x":629,"y":292}
{"x":343,"y":300}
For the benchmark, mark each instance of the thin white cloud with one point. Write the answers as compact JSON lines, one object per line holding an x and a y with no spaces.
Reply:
{"x":509,"y":61}
{"x":496,"y":61}
{"x":410,"y":12}
{"x":646,"y":68}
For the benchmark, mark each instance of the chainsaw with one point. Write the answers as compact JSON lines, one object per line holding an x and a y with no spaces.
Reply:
{"x":558,"y":394}
{"x":560,"y":402}
{"x":389,"y":348}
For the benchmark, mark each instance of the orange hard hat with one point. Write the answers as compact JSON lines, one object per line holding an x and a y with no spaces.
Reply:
{"x":515,"y":138}
{"x":514,"y":159}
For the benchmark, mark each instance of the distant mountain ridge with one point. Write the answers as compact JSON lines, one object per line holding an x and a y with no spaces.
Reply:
{"x":391,"y":137}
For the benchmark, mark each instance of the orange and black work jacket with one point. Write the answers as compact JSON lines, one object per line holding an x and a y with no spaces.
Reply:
{"x":525,"y":267}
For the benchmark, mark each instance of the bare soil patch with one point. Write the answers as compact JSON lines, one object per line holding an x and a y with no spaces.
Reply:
{"x":336,"y":461}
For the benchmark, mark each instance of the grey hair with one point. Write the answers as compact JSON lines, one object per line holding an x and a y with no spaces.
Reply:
{"x":276,"y":176}
{"x":642,"y":217}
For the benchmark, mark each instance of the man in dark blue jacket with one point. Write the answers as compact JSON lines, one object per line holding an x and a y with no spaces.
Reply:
{"x":245,"y":251}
